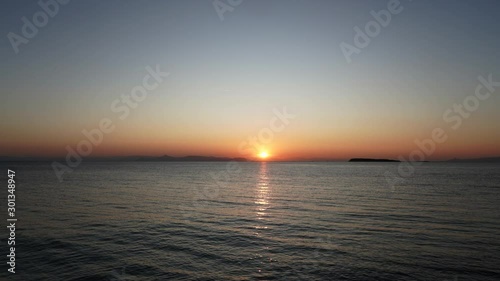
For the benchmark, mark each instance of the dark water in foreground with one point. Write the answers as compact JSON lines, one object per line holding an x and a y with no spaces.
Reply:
{"x":258,"y":221}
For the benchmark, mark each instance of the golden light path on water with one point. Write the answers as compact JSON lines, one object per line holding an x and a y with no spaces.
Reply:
{"x":262,"y":202}
{"x":262,"y":194}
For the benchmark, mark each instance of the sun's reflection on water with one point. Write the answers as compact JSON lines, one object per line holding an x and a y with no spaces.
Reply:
{"x":263,"y":202}
{"x":262,"y":194}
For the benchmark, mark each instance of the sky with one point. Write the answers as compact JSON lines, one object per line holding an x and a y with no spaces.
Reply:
{"x":231,"y":70}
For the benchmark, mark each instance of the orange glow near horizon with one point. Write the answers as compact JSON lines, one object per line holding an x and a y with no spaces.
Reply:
{"x":301,"y":140}
{"x":290,"y":148}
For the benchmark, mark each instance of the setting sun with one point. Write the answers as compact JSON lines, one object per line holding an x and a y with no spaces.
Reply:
{"x":263,"y":154}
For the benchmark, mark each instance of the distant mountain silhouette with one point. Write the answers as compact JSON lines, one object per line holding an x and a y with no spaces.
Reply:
{"x":192,"y":158}
{"x":165,"y":158}
{"x":372,"y":160}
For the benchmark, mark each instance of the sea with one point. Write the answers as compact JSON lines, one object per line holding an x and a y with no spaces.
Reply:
{"x":254,"y":221}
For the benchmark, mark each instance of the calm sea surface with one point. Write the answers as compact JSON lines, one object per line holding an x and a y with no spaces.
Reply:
{"x":254,"y":221}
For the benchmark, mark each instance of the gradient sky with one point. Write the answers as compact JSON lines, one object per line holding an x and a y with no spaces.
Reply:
{"x":228,"y":76}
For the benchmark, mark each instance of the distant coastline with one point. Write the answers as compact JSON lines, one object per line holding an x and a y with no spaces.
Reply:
{"x":198,"y":158}
{"x":372,"y":160}
{"x":193,"y":158}
{"x":164,"y":158}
